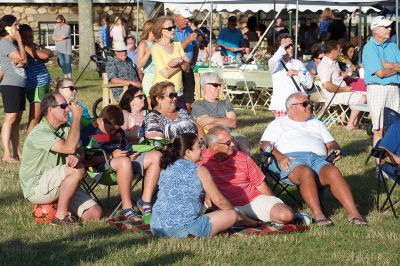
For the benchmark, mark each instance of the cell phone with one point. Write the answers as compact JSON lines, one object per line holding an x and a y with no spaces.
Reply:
{"x":132,"y":152}
{"x":10,"y":30}
{"x":332,"y":156}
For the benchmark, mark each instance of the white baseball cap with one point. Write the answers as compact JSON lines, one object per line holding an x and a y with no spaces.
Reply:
{"x":183,"y":11}
{"x":380,"y":21}
{"x":120,"y":46}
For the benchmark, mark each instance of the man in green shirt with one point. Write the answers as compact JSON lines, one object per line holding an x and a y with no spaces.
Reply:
{"x":51,"y":169}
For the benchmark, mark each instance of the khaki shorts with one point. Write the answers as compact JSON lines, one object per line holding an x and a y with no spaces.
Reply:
{"x":259,"y":208}
{"x":48,"y":190}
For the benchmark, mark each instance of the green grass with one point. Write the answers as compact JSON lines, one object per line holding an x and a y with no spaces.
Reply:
{"x":24,"y":242}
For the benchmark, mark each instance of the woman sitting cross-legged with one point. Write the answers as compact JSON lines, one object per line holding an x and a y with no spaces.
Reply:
{"x":165,"y":121}
{"x":177,"y":211}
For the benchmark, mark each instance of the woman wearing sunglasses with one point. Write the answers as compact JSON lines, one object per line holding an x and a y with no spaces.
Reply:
{"x":12,"y":86}
{"x":165,"y":121}
{"x":67,"y":89}
{"x":62,"y":38}
{"x":168,"y":56}
{"x":134,"y":107}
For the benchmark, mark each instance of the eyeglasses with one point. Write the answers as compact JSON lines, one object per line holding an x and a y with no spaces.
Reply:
{"x":304,"y":104}
{"x":71,"y":88}
{"x":61,"y":105}
{"x":170,"y":28}
{"x":172,"y":95}
{"x":227,"y":143}
{"x":215,"y":85}
{"x":140,"y":96}
{"x":288,"y":46}
{"x":58,"y":21}
{"x":320,"y":58}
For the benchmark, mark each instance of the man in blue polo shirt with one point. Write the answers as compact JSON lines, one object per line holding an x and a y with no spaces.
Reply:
{"x":231,"y":39}
{"x":184,"y":34}
{"x":381,"y":60}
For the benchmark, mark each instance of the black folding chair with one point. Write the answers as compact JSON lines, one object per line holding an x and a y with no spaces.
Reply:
{"x":279,"y":185}
{"x":386,"y":169}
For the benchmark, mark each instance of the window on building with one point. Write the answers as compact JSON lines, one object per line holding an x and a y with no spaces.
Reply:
{"x":46,"y":30}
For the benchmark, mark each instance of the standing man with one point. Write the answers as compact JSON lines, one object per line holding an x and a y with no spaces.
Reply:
{"x":231,"y":39}
{"x":132,"y":51}
{"x":51,"y":168}
{"x":381,"y":60}
{"x":184,"y":34}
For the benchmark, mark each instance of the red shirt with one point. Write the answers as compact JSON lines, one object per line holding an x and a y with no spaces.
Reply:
{"x":236,"y":177}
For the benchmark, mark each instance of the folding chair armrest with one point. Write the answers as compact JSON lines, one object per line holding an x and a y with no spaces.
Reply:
{"x":115,"y":85}
{"x":379,"y":153}
{"x":268,"y":159}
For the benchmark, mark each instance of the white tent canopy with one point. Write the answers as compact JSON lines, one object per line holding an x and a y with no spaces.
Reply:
{"x":254,"y":5}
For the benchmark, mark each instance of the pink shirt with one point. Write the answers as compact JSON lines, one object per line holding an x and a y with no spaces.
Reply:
{"x":118,"y":33}
{"x":236,"y":177}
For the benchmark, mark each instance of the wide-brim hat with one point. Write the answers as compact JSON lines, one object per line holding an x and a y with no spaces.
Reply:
{"x":120,"y":46}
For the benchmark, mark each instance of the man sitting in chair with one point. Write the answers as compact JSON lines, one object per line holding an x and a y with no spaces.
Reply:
{"x":120,"y":69}
{"x":391,"y":143}
{"x":210,"y":111}
{"x":106,"y":133}
{"x":300,"y":144}
{"x":332,"y":77}
{"x":240,"y":180}
{"x":51,"y":169}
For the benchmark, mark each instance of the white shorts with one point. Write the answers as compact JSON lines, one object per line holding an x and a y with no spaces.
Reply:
{"x":260,"y":207}
{"x":48,"y":191}
{"x":347,"y":98}
{"x":378,"y":97}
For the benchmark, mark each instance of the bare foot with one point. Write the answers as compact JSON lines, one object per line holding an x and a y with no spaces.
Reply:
{"x":9,"y":159}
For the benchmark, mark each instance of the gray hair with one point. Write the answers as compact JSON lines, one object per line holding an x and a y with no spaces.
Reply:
{"x":292,"y":99}
{"x":213,"y":134}
{"x":207,"y":77}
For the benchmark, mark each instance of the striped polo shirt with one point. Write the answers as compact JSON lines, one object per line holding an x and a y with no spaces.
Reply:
{"x":236,"y":177}
{"x":37,"y":74}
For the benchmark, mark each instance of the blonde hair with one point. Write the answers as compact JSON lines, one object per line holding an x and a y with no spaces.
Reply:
{"x":118,"y":21}
{"x":147,"y":28}
{"x":158,"y":26}
{"x":327,"y":13}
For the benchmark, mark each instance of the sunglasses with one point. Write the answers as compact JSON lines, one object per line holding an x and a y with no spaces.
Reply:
{"x":288,"y":46}
{"x":71,"y":88}
{"x":215,"y":85}
{"x":227,"y":143}
{"x":169,"y":28}
{"x":172,"y":95}
{"x":62,"y":105}
{"x":140,"y":96}
{"x":304,"y":104}
{"x":320,"y":58}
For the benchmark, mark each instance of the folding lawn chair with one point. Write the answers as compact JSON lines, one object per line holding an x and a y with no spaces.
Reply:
{"x":386,"y":170}
{"x":279,"y":185}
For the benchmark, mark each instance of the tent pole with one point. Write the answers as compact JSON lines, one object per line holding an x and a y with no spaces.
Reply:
{"x":211,"y":33}
{"x":397,"y":23}
{"x":290,"y":22}
{"x":137,"y":23}
{"x":297,"y":29}
{"x":273,"y":33}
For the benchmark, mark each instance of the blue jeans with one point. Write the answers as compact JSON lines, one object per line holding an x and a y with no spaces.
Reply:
{"x":310,"y":159}
{"x":65,"y":62}
{"x":201,"y":228}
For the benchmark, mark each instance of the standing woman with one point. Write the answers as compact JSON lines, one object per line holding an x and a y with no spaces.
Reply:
{"x":12,"y":86}
{"x":117,"y":33}
{"x":62,"y":37}
{"x":144,"y":61}
{"x":37,"y":76}
{"x":168,"y":57}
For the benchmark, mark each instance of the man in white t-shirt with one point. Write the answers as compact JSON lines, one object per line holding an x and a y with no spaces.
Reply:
{"x":300,"y":144}
{"x":332,"y":77}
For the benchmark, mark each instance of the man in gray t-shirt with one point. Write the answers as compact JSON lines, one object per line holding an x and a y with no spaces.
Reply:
{"x":212,"y":112}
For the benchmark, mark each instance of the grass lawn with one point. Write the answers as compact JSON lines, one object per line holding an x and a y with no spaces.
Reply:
{"x":24,"y":242}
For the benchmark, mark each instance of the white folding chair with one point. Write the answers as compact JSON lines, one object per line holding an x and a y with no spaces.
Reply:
{"x":263,"y":88}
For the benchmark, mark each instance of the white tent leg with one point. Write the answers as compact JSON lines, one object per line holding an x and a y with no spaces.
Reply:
{"x":296,"y":29}
{"x":137,"y":23}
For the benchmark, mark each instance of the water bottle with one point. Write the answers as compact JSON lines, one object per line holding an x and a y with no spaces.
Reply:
{"x":267,"y":151}
{"x":349,"y":71}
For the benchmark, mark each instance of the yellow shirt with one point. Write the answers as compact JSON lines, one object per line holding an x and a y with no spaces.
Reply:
{"x":161,"y":58}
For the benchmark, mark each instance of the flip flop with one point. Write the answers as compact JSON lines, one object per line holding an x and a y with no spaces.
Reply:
{"x":359,"y":221}
{"x":324,"y":222}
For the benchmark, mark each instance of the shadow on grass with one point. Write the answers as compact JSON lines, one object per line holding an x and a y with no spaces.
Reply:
{"x":74,"y":249}
{"x":165,"y":259}
{"x":357,"y":147}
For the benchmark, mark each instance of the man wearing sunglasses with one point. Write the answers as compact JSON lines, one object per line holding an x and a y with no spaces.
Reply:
{"x":240,"y":180}
{"x":184,"y":34}
{"x":51,"y":168}
{"x":300,"y":144}
{"x":381,"y":60}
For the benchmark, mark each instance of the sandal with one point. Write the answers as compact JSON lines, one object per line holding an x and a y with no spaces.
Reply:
{"x":11,"y":160}
{"x":324,"y":222}
{"x":130,"y":214}
{"x":359,"y":221}
{"x":146,"y":211}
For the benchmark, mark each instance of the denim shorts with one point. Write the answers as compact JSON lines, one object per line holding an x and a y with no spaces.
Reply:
{"x":200,"y":228}
{"x":310,"y":159}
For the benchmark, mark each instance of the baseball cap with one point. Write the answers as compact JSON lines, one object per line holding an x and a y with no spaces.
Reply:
{"x":120,"y":46}
{"x":183,"y":11}
{"x":380,"y":21}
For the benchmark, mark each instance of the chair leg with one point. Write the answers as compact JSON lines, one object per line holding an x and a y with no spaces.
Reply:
{"x":388,"y":197}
